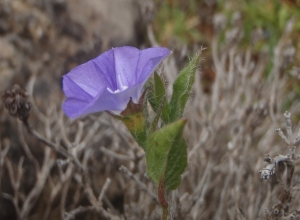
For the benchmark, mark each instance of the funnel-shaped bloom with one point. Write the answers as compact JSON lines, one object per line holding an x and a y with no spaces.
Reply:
{"x":107,"y":82}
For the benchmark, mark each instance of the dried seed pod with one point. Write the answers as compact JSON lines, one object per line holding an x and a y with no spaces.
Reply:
{"x":15,"y":100}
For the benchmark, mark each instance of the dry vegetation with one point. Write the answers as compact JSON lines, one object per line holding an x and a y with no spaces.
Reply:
{"x":55,"y":168}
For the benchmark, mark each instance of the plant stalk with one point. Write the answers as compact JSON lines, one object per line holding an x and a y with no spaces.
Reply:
{"x":162,"y":200}
{"x":165,"y":213}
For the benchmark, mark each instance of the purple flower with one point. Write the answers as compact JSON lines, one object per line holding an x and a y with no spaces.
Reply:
{"x":107,"y":82}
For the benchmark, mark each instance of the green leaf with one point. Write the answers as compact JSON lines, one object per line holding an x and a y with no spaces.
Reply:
{"x":151,"y":94}
{"x":161,"y":97}
{"x":157,"y":97}
{"x":182,"y":88}
{"x":154,"y":123}
{"x":166,"y":155}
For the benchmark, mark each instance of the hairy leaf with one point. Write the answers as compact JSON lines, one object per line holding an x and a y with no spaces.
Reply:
{"x":166,"y":155}
{"x":182,"y":88}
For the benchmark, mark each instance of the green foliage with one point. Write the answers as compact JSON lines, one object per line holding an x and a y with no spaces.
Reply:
{"x":173,"y":110}
{"x":174,"y":21}
{"x":182,"y":88}
{"x":161,"y":97}
{"x":268,"y":16}
{"x":166,"y":155}
{"x":165,"y":148}
{"x":164,"y":145}
{"x":157,"y":98}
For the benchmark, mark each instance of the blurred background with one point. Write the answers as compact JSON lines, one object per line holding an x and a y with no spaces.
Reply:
{"x":248,"y":77}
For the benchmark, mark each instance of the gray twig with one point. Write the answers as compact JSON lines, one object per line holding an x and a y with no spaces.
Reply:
{"x":142,"y":186}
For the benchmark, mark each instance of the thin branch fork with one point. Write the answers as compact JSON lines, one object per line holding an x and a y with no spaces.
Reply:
{"x":269,"y":170}
{"x":282,"y":207}
{"x":142,"y":186}
{"x":52,"y":145}
{"x":289,"y":140}
{"x":80,"y":209}
{"x":85,"y":177}
{"x":283,"y":137}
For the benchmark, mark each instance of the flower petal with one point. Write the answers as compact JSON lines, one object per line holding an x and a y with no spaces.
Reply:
{"x":126,"y":61}
{"x":149,"y":59}
{"x":88,"y":78}
{"x":106,"y":100}
{"x":74,"y":107}
{"x":110,"y":80}
{"x":105,"y":66}
{"x":73,"y":90}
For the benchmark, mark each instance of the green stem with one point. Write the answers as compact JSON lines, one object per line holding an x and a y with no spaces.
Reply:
{"x":165,"y":213}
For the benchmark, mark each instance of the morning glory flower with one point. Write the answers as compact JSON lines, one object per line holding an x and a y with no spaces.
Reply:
{"x":108,"y":82}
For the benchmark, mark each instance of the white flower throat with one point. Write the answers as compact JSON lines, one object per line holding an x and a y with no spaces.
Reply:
{"x":120,"y":86}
